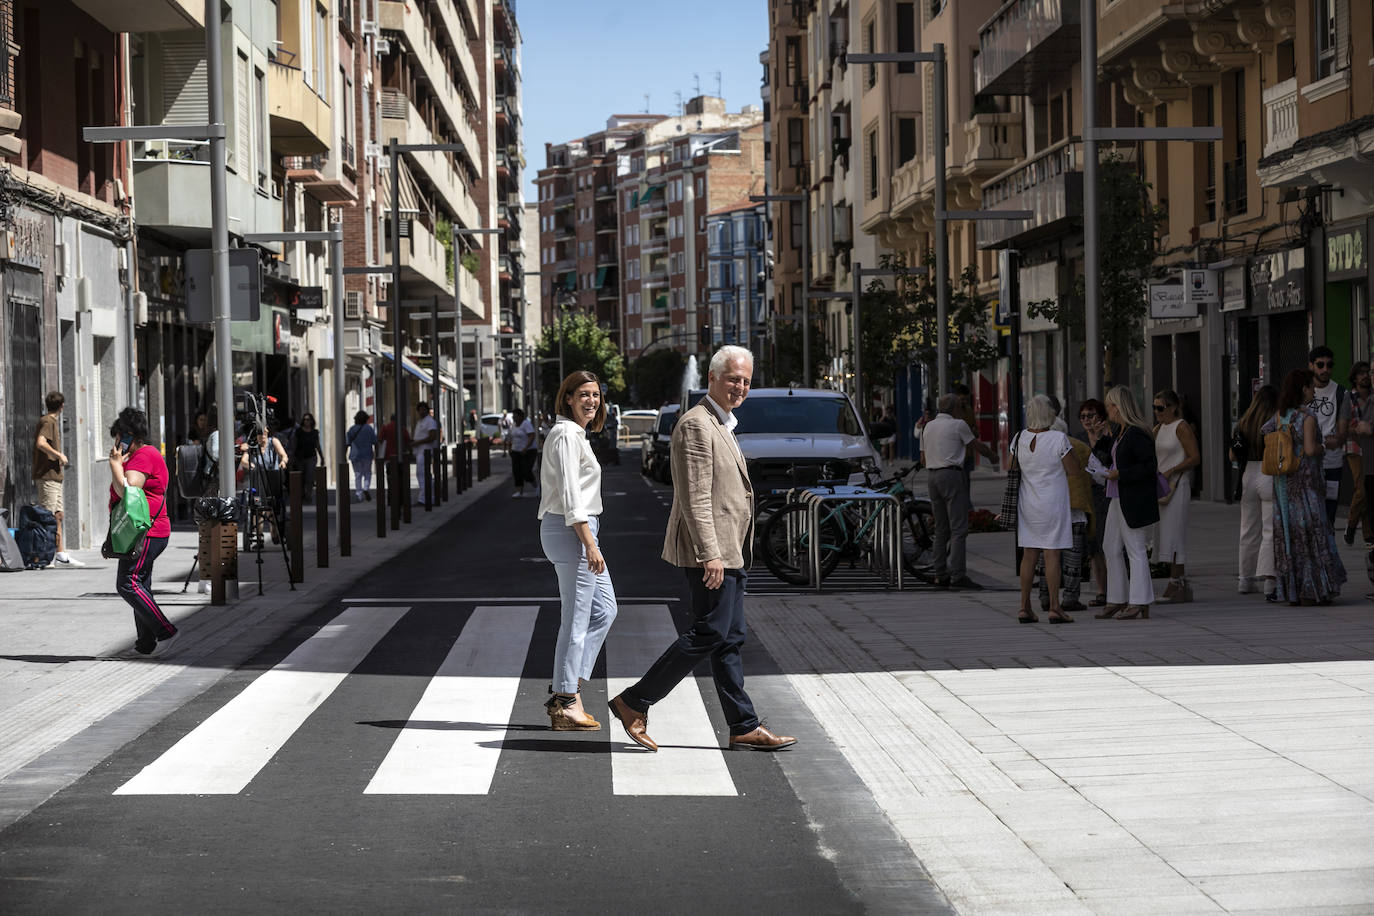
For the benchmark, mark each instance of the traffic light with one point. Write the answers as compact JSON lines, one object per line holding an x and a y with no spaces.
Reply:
{"x":704,"y":336}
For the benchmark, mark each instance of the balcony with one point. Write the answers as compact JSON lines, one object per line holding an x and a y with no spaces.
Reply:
{"x":424,"y":261}
{"x":1050,"y":186}
{"x":564,"y":230}
{"x":1026,"y":45}
{"x":655,"y":278}
{"x":144,"y":15}
{"x":906,"y":187}
{"x":653,"y":243}
{"x":993,"y":142}
{"x":1280,"y":116}
{"x":402,"y":121}
{"x":321,"y":177}
{"x":470,"y":294}
{"x":301,"y":122}
{"x":172,"y":182}
{"x":605,"y":226}
{"x":605,"y":192}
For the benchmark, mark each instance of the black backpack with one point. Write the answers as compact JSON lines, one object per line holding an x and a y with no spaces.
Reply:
{"x":36,"y":536}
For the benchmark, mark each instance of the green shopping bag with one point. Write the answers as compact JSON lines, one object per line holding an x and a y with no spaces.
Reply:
{"x":129,"y":522}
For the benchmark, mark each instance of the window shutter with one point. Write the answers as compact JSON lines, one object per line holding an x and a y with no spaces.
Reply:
{"x":185,"y":95}
{"x":240,"y":155}
{"x":1342,"y":34}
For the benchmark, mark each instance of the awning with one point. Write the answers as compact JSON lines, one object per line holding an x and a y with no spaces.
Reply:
{"x":570,"y":280}
{"x":661,"y":302}
{"x":411,"y":202}
{"x":423,"y":374}
{"x":601,"y":276}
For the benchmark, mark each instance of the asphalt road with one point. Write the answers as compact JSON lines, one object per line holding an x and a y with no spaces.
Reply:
{"x":391,"y":754}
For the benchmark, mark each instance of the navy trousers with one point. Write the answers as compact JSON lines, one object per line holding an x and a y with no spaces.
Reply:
{"x":717,"y":632}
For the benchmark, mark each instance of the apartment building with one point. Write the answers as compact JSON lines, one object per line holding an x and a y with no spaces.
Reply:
{"x":505,"y":160}
{"x":736,"y":299}
{"x":787,"y":99}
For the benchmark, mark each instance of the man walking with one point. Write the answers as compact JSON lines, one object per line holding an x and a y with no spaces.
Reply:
{"x":522,"y":453}
{"x":1332,"y":410}
{"x":710,"y":534}
{"x":944,"y":443}
{"x":423,"y":440}
{"x":48,"y":462}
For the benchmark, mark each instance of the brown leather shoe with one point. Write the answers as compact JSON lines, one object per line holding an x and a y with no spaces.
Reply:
{"x":760,"y":739}
{"x":634,"y":721}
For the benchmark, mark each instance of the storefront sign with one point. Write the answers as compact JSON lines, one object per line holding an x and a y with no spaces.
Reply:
{"x":1202,"y":286}
{"x":1278,"y":281}
{"x":1171,"y":300}
{"x":1346,"y":255}
{"x":1233,"y":289}
{"x":269,"y":334}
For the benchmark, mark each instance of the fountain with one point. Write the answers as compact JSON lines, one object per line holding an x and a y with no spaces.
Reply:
{"x":691,"y":379}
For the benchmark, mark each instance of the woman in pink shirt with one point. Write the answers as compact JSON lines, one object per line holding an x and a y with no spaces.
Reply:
{"x":135,"y":463}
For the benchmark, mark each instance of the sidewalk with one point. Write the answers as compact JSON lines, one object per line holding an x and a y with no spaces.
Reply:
{"x":68,"y":661}
{"x":1215,"y":758}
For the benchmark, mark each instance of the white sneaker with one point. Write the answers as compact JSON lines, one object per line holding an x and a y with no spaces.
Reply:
{"x":516,"y":495}
{"x":63,"y":559}
{"x":1243,"y":584}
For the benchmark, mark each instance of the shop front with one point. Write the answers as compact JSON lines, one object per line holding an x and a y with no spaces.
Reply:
{"x":1343,"y":279}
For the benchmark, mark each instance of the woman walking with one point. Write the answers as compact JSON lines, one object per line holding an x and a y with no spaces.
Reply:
{"x":307,"y":454}
{"x":361,"y":439}
{"x":569,"y":522}
{"x":1306,"y":566}
{"x":1043,"y":521}
{"x":1256,"y":495}
{"x":135,"y":463}
{"x":1133,"y":506}
{"x":1176,"y":454}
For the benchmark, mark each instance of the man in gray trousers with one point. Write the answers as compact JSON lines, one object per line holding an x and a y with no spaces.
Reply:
{"x":944,"y":443}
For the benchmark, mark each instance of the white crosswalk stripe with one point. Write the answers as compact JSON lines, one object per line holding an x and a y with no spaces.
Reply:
{"x":436,"y":755}
{"x":440,"y":750}
{"x":689,"y":759}
{"x":228,"y":749}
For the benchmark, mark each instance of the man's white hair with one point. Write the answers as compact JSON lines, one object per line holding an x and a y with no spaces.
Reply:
{"x":727,"y":354}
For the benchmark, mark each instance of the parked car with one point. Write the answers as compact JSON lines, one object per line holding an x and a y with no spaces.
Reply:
{"x":605,"y":442}
{"x":653,"y":448}
{"x":637,"y":424}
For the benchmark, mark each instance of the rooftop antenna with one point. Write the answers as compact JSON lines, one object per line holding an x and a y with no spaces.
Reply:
{"x":696,"y":84}
{"x":679,"y":102}
{"x":717,"y":75}
{"x":646,"y":103}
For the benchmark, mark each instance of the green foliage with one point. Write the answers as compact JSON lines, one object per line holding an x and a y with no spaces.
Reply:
{"x":470,"y":262}
{"x":784,"y":364}
{"x":656,"y":377}
{"x":899,"y":325}
{"x":1128,"y":245}
{"x":585,"y":346}
{"x":443,"y":231}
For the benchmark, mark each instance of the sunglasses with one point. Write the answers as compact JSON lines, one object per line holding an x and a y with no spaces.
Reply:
{"x":1087,"y":416}
{"x":1159,"y":408}
{"x":1324,"y":364}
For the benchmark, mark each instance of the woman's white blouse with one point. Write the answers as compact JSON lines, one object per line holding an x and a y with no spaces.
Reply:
{"x":570,"y":478}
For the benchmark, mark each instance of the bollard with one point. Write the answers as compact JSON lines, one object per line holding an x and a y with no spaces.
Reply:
{"x":393,"y":469}
{"x":295,"y":535}
{"x":345,"y":490}
{"x":404,"y":468}
{"x":457,"y":469}
{"x":381,"y":497}
{"x":471,"y":459}
{"x":426,"y":468}
{"x":442,"y":457}
{"x":321,"y":521}
{"x":483,"y":458}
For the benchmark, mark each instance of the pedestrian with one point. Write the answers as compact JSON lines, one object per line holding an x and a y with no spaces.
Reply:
{"x":387,"y":439}
{"x":423,"y":440}
{"x":1331,"y":409}
{"x":136,"y":463}
{"x":569,"y":531}
{"x":48,"y":463}
{"x":963,"y":409}
{"x":264,"y":462}
{"x":1176,"y":454}
{"x":882,"y":432}
{"x":362,"y":450}
{"x":475,"y":424}
{"x":503,"y":426}
{"x":944,"y":443}
{"x":710,"y":536}
{"x":1132,"y":482}
{"x":1307,"y":568}
{"x":1256,"y":495}
{"x":523,"y":449}
{"x":1362,"y":428}
{"x":1043,"y":515}
{"x":1059,"y":423}
{"x":1361,"y":400}
{"x":1097,"y":432}
{"x":306,"y":454}
{"x":1082,"y":522}
{"x":200,"y":427}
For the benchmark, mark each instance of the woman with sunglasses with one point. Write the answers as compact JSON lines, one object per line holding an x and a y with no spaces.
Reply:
{"x":1097,"y":432}
{"x":1176,"y":454}
{"x":1307,"y":567}
{"x":1133,"y":507}
{"x":307,"y":453}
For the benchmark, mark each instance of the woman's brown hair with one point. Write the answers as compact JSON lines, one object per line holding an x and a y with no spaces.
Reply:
{"x":574,"y":381}
{"x":1291,"y":392}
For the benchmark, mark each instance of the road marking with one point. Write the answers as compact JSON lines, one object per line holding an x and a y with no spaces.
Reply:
{"x":445,"y":753}
{"x":223,"y":754}
{"x":468,"y":599}
{"x":689,"y":759}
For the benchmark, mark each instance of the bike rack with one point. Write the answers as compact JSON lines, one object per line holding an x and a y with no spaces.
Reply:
{"x":886,"y":561}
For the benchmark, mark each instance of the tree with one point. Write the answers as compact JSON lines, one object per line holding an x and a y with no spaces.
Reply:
{"x":1128,"y":246}
{"x":899,"y":324}
{"x":656,"y":377}
{"x":785,"y":360}
{"x":585,"y":346}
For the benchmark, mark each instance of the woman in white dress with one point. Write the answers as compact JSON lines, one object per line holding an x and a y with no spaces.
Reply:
{"x":1043,"y":517}
{"x":1176,"y":454}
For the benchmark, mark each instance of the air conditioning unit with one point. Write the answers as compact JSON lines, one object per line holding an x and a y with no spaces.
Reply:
{"x":369,"y":27}
{"x":383,"y":46}
{"x":372,"y":150}
{"x":353,"y":304}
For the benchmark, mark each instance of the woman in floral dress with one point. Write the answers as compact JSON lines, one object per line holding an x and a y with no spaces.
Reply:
{"x":1307,"y":567}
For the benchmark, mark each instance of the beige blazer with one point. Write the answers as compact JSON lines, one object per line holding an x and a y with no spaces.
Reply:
{"x":713,"y":505}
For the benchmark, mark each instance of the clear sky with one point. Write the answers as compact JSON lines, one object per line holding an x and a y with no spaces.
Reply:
{"x":584,"y":60}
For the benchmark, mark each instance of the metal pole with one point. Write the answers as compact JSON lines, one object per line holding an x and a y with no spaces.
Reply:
{"x":941,"y":226}
{"x":397,"y":341}
{"x":219,"y":242}
{"x":478,"y":343}
{"x":856,"y":295}
{"x":1092,"y":332}
{"x":131,"y":313}
{"x":458,"y":338}
{"x":806,"y":290}
{"x":336,"y":301}
{"x":436,"y":394}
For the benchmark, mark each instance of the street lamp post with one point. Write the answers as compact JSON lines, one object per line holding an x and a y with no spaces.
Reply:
{"x":805,"y":200}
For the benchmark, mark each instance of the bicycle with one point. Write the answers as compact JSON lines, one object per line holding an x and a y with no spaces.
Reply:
{"x":784,"y":540}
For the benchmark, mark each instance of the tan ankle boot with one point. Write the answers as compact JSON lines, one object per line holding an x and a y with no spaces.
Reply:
{"x":566,"y":714}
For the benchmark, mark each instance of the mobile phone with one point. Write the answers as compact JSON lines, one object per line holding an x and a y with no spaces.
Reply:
{"x":125,"y":442}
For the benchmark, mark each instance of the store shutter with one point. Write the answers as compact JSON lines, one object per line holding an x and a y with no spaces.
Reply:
{"x":185,"y":98}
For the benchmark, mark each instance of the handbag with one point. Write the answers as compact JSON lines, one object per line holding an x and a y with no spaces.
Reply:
{"x":1006,"y":518}
{"x":1164,"y":488}
{"x":130,"y":522}
{"x":1278,"y":452}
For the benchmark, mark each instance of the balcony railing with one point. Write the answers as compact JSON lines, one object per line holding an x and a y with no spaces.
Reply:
{"x":1050,"y":186}
{"x":6,"y":85}
{"x":1281,"y":116}
{"x":1026,"y":42}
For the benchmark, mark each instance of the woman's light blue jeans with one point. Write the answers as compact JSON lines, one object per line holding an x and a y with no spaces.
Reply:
{"x":589,"y":606}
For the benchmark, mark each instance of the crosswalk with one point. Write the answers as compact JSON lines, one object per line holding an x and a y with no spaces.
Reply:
{"x":481,"y":672}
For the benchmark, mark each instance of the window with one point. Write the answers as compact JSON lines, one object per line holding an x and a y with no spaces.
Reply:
{"x":306,"y":59}
{"x":1234,"y":179}
{"x":796,"y":215}
{"x":701,"y":185}
{"x":869,"y":45}
{"x":796,"y":144}
{"x":346,"y":84}
{"x":239,"y":149}
{"x":906,"y":140}
{"x":906,"y":34}
{"x":871,"y":163}
{"x":260,"y":103}
{"x":1331,"y":36}
{"x":322,"y":68}
{"x":793,"y":52}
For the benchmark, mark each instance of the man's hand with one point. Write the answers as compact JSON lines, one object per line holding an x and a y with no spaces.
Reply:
{"x":62,"y":457}
{"x":714,"y":573}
